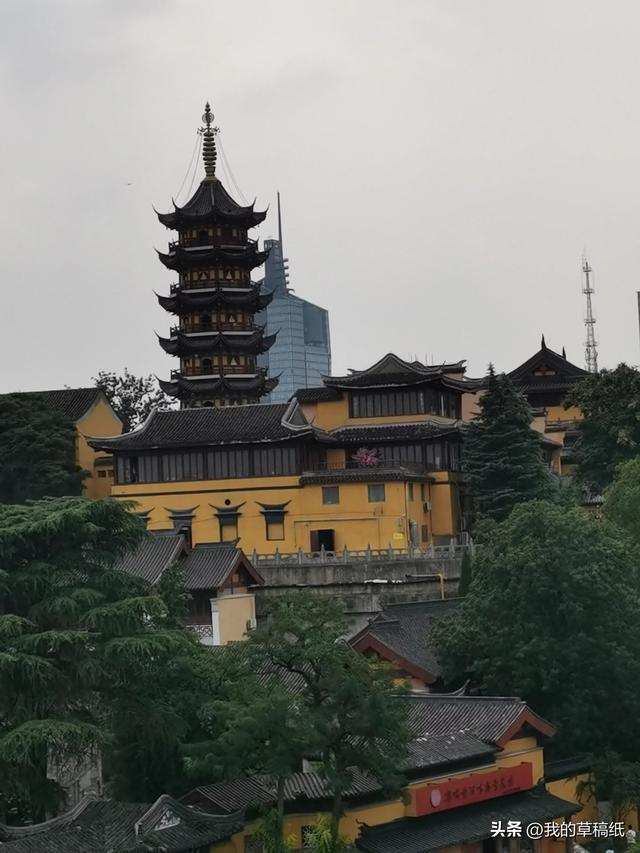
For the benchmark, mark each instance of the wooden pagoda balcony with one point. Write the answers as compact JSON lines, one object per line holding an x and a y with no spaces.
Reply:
{"x":190,"y":328}
{"x":209,"y":284}
{"x":215,"y":370}
{"x":208,"y":242}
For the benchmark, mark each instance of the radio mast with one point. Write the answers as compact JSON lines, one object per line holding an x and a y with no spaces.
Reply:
{"x":590,"y":351}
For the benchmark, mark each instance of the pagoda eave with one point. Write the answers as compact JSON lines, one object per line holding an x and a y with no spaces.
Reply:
{"x":232,"y":387}
{"x":177,"y":220}
{"x":183,"y":344}
{"x":184,"y":301}
{"x":179,"y":259}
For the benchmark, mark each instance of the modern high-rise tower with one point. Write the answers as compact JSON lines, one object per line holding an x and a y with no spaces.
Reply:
{"x":301,"y":353}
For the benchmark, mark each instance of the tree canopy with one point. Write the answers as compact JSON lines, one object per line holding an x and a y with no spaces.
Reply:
{"x":37,"y":450}
{"x":552,"y":616}
{"x":610,"y":431}
{"x":132,"y":397}
{"x":502,"y":456}
{"x":89,"y":658}
{"x":312,"y":696}
{"x":622,"y":499}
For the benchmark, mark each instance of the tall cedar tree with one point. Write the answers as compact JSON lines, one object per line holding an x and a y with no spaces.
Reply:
{"x":132,"y":397}
{"x":610,"y":431}
{"x":552,"y":616}
{"x":37,"y":450}
{"x":502,"y":455}
{"x":88,"y":658}
{"x":349,"y":706}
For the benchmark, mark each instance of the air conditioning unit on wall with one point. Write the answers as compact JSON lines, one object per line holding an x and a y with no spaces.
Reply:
{"x":427,"y":506}
{"x":251,"y":624}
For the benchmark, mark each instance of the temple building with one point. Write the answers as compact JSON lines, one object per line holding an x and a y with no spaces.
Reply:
{"x":215,"y":300}
{"x":301,"y":354}
{"x":91,"y":414}
{"x":546,"y":379}
{"x":371,"y":459}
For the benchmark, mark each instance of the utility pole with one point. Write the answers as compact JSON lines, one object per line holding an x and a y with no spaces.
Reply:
{"x":590,"y":351}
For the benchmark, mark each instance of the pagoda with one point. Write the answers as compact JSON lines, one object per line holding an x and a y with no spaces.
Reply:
{"x":215,"y":300}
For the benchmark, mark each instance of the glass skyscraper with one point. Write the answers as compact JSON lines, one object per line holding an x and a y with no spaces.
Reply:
{"x":301,"y":353}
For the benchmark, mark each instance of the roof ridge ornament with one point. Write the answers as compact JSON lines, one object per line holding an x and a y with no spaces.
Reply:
{"x":209,"y":152}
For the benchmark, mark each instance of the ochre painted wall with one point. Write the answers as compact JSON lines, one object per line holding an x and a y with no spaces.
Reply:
{"x":100,"y":421}
{"x":331,"y":414}
{"x":559,"y":413}
{"x":234,"y":611}
{"x":568,"y":789}
{"x":357,"y":522}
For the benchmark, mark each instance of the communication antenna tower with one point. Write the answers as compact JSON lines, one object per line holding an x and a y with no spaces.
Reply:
{"x":590,"y":351}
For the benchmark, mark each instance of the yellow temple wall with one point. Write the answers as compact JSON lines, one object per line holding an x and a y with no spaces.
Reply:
{"x":357,"y":522}
{"x":101,"y":421}
{"x":234,"y":611}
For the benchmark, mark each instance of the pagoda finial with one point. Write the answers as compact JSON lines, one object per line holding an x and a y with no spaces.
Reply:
{"x":209,"y":153}
{"x":542,"y":343}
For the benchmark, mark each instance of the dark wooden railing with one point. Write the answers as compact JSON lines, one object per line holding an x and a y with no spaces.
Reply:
{"x":190,"y":328}
{"x":214,"y":370}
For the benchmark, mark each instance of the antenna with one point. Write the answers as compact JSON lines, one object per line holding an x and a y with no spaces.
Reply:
{"x":590,"y":351}
{"x":280,"y":227}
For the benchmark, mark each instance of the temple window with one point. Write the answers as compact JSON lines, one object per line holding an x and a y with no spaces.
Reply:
{"x":228,"y":517}
{"x":330,"y":495}
{"x":376,"y":493}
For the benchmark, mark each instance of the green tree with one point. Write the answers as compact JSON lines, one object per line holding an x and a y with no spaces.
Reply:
{"x":88,"y":657}
{"x":552,"y":616}
{"x":132,"y":397}
{"x":37,"y":450}
{"x":502,"y":456}
{"x":354,"y":715}
{"x":610,"y":431}
{"x":320,"y":840}
{"x":622,"y":499}
{"x":466,"y":569}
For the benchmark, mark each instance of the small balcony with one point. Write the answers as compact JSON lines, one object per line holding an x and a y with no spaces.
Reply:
{"x":206,"y":241}
{"x":209,"y":284}
{"x":352,"y":465}
{"x":215,"y":370}
{"x":213,"y":328}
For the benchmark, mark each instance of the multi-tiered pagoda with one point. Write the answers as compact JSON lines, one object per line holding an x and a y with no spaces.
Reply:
{"x":215,"y":299}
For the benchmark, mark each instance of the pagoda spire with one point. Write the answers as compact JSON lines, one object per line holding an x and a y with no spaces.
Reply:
{"x":209,"y":152}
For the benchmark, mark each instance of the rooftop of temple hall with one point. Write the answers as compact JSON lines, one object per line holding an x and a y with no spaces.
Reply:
{"x":547,"y":370}
{"x":73,"y":403}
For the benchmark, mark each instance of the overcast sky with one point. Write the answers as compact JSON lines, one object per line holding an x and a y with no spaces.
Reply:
{"x":442,"y":163}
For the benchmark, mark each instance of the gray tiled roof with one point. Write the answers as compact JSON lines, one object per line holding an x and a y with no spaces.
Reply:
{"x":404,"y":629}
{"x":316,"y":395}
{"x":364,"y":475}
{"x":154,"y":555}
{"x":71,"y":402}
{"x":392,"y":370}
{"x":104,"y":826}
{"x":488,"y":717}
{"x":468,"y":824}
{"x":258,"y":422}
{"x":210,"y":564}
{"x":424,"y":754}
{"x":393,"y":432}
{"x":207,"y":566}
{"x":439,"y":750}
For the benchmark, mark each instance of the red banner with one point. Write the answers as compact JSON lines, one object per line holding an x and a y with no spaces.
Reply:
{"x":441,"y":796}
